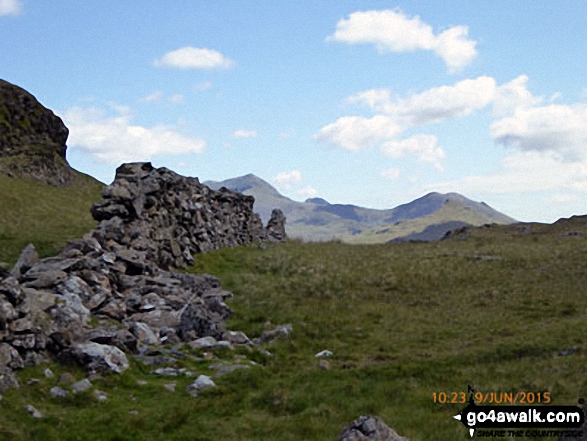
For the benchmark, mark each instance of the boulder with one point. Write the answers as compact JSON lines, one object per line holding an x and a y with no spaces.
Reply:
{"x":368,"y":428}
{"x":97,"y":357}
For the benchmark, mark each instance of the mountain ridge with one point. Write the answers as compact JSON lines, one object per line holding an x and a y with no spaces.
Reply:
{"x":319,"y":219}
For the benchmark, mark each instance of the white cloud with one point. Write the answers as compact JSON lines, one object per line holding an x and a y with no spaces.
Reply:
{"x":513,"y":95}
{"x":400,"y":114}
{"x":356,"y":132}
{"x":114,"y":139}
{"x":423,"y":146}
{"x":177,"y":98}
{"x":307,"y":192}
{"x":555,"y":127}
{"x":524,"y":172}
{"x":433,"y":105}
{"x":393,"y":31}
{"x":152,"y":98}
{"x":243,"y":134}
{"x":10,"y":7}
{"x":288,"y":178}
{"x":201,"y":87}
{"x":194,"y":58}
{"x":391,"y":173}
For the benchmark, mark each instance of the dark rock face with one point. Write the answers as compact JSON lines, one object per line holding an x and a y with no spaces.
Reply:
{"x":151,"y":221}
{"x":32,"y":138}
{"x":368,"y":428}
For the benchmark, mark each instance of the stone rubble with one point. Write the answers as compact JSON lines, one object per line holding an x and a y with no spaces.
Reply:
{"x":368,"y":428}
{"x":115,"y":290}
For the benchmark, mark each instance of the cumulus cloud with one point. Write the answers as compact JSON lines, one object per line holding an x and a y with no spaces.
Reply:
{"x":10,"y":7}
{"x":433,"y":105}
{"x":555,"y":127}
{"x":288,"y":178}
{"x":115,"y":139}
{"x":356,"y":132}
{"x":307,"y":192}
{"x":194,"y":58}
{"x":393,"y":31}
{"x":425,"y":147}
{"x":243,"y":134}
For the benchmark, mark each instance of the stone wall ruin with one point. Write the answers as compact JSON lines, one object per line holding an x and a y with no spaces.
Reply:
{"x":114,"y":290}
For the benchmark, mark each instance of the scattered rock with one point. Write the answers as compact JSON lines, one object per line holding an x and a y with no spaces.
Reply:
{"x":201,"y":383}
{"x":65,"y":378}
{"x":57,"y":392}
{"x":167,"y":372}
{"x":170,"y":386}
{"x":101,"y":358}
{"x":81,"y":386}
{"x":48,"y":373}
{"x":280,"y":331}
{"x":34,"y":412}
{"x":324,"y":353}
{"x":368,"y":428}
{"x":100,"y":395}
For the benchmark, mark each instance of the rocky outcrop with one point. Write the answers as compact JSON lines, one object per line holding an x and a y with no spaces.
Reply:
{"x":32,"y":139}
{"x":114,"y":290}
{"x":368,"y":428}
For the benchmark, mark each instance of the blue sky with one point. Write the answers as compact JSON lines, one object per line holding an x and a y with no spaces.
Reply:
{"x":372,"y":103}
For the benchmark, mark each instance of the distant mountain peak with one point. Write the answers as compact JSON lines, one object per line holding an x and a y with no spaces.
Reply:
{"x":317,"y":201}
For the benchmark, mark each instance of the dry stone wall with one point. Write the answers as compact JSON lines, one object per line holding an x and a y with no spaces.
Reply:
{"x":114,"y":290}
{"x":166,"y":218}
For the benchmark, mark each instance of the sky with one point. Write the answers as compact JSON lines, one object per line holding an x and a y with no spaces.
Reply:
{"x":373,"y":103}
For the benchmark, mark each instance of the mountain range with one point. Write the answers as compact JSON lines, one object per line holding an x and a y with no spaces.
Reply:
{"x":426,"y":218}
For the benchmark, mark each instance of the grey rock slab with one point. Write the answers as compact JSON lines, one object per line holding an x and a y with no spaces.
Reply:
{"x":201,"y":383}
{"x":368,"y":428}
{"x":28,"y":257}
{"x":57,"y":392}
{"x":101,"y":358}
{"x":81,"y":386}
{"x":34,"y":412}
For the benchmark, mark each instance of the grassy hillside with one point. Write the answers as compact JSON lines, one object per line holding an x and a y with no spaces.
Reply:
{"x":450,"y":211}
{"x":47,"y":216}
{"x":503,"y":311}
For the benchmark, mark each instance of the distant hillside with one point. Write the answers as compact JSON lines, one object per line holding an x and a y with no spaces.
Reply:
{"x":318,"y":219}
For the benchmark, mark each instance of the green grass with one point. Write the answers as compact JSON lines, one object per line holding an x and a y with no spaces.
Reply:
{"x":403,"y":321}
{"x":33,"y":212}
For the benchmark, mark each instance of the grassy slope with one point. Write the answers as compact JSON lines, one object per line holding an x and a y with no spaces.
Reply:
{"x":46,"y":216}
{"x":453,"y":210}
{"x":403,"y":321}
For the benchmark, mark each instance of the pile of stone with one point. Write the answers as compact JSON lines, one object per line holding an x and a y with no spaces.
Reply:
{"x":114,"y":290}
{"x":161,"y":217}
{"x":369,"y":428}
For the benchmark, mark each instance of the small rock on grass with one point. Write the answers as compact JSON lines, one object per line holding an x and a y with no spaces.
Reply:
{"x":81,"y":386}
{"x":100,"y":395}
{"x":49,"y":373}
{"x":201,"y":383}
{"x":170,"y":387}
{"x":57,"y":392}
{"x":34,"y":412}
